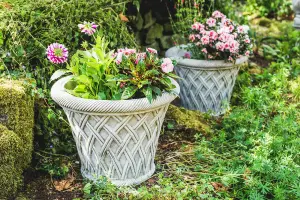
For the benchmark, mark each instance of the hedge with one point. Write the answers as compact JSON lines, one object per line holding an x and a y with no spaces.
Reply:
{"x":16,"y":134}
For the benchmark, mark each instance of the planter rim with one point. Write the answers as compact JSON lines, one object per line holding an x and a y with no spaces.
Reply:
{"x":177,"y":53}
{"x":66,"y":100}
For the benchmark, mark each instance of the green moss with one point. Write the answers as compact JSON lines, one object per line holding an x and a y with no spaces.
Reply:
{"x":188,"y":118}
{"x":16,"y":137}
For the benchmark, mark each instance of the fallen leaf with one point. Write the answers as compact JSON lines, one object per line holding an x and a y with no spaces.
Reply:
{"x":218,"y":186}
{"x":64,"y":184}
{"x":123,"y":18}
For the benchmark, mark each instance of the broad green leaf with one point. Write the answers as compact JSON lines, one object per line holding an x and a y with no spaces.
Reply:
{"x":148,"y":93}
{"x":70,"y":85}
{"x":129,"y":92}
{"x":84,"y":79}
{"x":80,"y":89}
{"x":102,"y":96}
{"x":152,"y":72}
{"x":156,"y":90}
{"x":119,"y":77}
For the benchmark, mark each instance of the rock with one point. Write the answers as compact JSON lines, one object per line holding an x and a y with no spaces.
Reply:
{"x":138,"y":38}
{"x":179,"y":39}
{"x":155,"y":32}
{"x":139,"y":22}
{"x":188,"y":118}
{"x":149,"y":20}
{"x":166,"y":42}
{"x":168,"y":28}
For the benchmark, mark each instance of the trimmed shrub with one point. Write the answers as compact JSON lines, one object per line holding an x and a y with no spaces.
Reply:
{"x":16,"y":137}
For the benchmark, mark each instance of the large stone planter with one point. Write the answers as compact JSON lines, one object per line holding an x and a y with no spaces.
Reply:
{"x":116,"y":139}
{"x":296,"y":7}
{"x":205,"y":85}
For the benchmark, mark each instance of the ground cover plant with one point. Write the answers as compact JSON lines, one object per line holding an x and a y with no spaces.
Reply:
{"x":252,"y":152}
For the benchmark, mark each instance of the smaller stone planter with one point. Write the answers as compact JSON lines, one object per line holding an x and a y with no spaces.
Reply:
{"x":296,"y":7}
{"x":116,"y":139}
{"x":205,"y":85}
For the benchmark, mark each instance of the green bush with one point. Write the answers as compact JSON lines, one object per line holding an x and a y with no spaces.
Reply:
{"x":26,"y":29}
{"x":16,"y":134}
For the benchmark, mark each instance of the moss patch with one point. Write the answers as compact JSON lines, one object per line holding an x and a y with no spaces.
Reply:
{"x":16,"y":137}
{"x":188,"y":118}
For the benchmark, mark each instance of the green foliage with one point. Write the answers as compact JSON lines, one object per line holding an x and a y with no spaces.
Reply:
{"x":16,"y":134}
{"x":275,"y":8}
{"x":187,"y":12}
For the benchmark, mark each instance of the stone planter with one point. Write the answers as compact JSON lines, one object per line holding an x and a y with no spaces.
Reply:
{"x":116,"y":139}
{"x":205,"y":85}
{"x":296,"y":7}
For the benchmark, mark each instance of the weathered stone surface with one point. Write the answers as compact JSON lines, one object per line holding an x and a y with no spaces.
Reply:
{"x":166,"y":42}
{"x":138,"y":38}
{"x":155,"y":32}
{"x":149,"y":20}
{"x":179,"y":39}
{"x":168,"y":28}
{"x":139,"y":22}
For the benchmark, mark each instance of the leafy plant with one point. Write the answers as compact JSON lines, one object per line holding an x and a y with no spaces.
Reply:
{"x":100,"y":74}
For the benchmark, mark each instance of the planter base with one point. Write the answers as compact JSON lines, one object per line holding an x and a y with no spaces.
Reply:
{"x":127,"y":182}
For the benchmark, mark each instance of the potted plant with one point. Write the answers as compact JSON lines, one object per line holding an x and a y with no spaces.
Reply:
{"x":209,"y":65}
{"x":116,"y":104}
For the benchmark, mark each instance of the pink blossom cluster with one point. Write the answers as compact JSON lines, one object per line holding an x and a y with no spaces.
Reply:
{"x":150,"y":56}
{"x":220,"y":38}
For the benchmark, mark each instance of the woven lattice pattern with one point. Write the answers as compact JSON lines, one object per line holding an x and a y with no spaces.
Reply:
{"x":121,"y":147}
{"x":206,"y":89}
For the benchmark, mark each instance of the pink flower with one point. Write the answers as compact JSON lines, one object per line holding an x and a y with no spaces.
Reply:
{"x":213,"y":35}
{"x":140,"y":56}
{"x":88,"y":28}
{"x":197,"y":26}
{"x":127,"y":52}
{"x":211,"y":22}
{"x":230,"y":58}
{"x":226,"y":22}
{"x":167,"y":65}
{"x":57,"y":53}
{"x":218,"y":14}
{"x":247,"y":53}
{"x":198,"y":36}
{"x":192,"y":37}
{"x":234,"y":46}
{"x":205,"y":39}
{"x":119,"y":58}
{"x":210,"y":56}
{"x":151,"y":50}
{"x":247,"y":40}
{"x":231,"y":28}
{"x":204,"y":50}
{"x":243,"y":29}
{"x":220,"y":46}
{"x":187,"y":55}
{"x":198,"y":44}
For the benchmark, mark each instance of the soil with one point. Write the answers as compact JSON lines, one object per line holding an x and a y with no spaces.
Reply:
{"x":260,"y":61}
{"x":39,"y":186}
